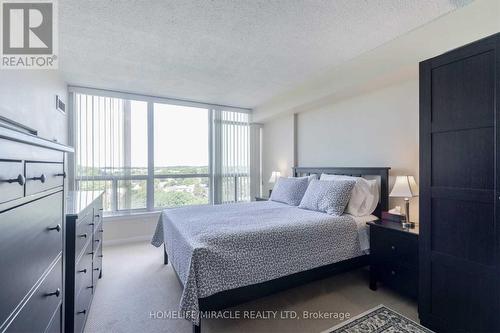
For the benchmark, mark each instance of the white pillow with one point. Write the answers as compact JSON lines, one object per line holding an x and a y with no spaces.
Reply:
{"x":309,"y":178}
{"x":364,"y":196}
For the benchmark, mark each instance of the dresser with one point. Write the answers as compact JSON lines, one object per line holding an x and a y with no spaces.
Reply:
{"x":31,"y":232}
{"x":83,"y":256}
{"x":394,"y":257}
{"x":460,"y":189}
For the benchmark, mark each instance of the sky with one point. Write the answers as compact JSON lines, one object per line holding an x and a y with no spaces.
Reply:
{"x":181,"y":135}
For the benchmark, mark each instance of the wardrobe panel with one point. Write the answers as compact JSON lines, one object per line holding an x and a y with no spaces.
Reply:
{"x":464,"y":229}
{"x":463,"y":91}
{"x":464,"y":158}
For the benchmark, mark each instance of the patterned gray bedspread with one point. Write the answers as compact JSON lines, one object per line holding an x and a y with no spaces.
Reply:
{"x":216,"y":248}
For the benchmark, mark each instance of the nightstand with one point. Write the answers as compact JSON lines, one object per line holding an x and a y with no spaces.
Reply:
{"x":261,"y":199}
{"x":394,"y":257}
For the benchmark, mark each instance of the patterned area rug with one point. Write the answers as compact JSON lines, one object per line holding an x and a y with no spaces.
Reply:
{"x":377,"y":320}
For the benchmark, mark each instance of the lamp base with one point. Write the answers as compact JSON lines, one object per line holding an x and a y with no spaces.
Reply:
{"x":406,"y":222}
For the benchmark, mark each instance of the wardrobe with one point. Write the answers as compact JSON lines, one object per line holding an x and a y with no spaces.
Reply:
{"x":460,"y":189}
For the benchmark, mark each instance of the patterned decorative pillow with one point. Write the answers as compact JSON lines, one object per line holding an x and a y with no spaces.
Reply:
{"x":289,"y":190}
{"x":329,"y":196}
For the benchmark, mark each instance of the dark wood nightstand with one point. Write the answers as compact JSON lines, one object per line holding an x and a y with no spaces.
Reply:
{"x":261,"y":199}
{"x":394,"y":257}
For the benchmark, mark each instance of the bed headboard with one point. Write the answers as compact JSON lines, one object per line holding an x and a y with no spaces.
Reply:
{"x":380,"y":174}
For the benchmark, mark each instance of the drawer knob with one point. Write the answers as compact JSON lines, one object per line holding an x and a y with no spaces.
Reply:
{"x":97,"y":240}
{"x":393,"y":248}
{"x":84,"y":271}
{"x":57,"y":228}
{"x":81,"y":312}
{"x":90,"y":287}
{"x":42,"y":178}
{"x":82,"y":236}
{"x":101,"y":230}
{"x":96,"y":269}
{"x":91,"y":223}
{"x":55,"y":293}
{"x":20,"y":180}
{"x":393,"y":273}
{"x":61,"y":174}
{"x":100,"y":256}
{"x":91,"y":253}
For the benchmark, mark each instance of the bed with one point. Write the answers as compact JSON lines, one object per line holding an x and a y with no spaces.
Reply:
{"x":228,"y":254}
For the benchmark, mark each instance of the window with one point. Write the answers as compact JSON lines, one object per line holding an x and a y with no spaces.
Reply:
{"x":147,"y":154}
{"x":181,"y":155}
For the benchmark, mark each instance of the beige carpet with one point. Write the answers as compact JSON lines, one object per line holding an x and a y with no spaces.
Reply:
{"x":136,"y":282}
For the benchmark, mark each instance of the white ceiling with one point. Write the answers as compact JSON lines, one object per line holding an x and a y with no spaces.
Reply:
{"x":232,"y":52}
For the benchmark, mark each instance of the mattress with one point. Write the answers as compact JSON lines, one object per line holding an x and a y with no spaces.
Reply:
{"x":222,"y":247}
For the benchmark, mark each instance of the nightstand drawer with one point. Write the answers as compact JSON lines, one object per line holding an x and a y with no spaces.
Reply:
{"x":393,"y":246}
{"x":398,"y":277}
{"x":394,"y":257}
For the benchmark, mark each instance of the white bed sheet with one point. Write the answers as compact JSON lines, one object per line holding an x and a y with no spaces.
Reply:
{"x":364,"y":230}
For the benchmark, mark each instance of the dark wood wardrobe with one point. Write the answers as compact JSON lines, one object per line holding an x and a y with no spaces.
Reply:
{"x":460,"y":189}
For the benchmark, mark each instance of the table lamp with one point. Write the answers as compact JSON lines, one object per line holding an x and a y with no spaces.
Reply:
{"x":405,"y":187}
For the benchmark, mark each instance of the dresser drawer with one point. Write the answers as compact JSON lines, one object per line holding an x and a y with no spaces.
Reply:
{"x":83,"y":272}
{"x":11,"y":180}
{"x":43,"y":176}
{"x":55,"y":325}
{"x":84,"y":234}
{"x":393,"y":246}
{"x":82,"y":307}
{"x":37,"y":313}
{"x":31,"y":239}
{"x":399,"y":277}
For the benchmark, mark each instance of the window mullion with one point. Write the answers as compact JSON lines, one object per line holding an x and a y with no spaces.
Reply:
{"x":151,"y":158}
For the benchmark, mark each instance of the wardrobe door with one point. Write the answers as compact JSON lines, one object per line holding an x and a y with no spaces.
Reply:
{"x":459,"y":159}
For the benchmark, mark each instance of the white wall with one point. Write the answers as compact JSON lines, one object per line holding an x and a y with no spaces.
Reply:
{"x":118,"y":230}
{"x":375,"y":129}
{"x":28,"y":97}
{"x":277,"y":149}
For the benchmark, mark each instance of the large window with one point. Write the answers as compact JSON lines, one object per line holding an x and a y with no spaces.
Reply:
{"x":148,"y":155}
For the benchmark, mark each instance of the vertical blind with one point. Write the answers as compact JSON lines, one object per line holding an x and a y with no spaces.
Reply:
{"x":102,"y":149}
{"x":231,"y":157}
{"x":99,"y":143}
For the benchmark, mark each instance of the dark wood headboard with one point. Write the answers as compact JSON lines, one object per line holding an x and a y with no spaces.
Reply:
{"x":381,"y":174}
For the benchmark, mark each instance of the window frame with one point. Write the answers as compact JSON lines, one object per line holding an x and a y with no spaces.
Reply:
{"x":150,"y":177}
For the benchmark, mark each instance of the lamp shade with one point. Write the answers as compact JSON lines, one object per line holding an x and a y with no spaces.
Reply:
{"x":404,"y":187}
{"x":274,"y":176}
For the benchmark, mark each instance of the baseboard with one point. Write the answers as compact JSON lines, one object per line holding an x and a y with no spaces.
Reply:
{"x":113,"y":242}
